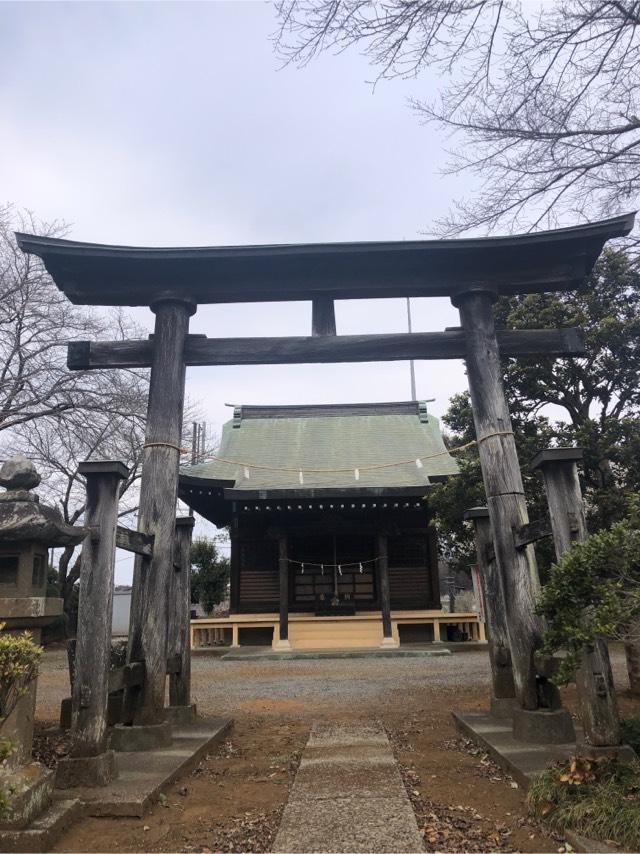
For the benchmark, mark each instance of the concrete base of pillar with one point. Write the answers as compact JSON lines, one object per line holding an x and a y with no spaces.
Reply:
{"x":29,"y":789}
{"x":543,"y":726}
{"x":282,"y":646}
{"x":144,"y":737}
{"x":389,"y":643}
{"x":622,"y":752}
{"x":502,"y":707}
{"x":97,"y":770}
{"x":181,"y":715}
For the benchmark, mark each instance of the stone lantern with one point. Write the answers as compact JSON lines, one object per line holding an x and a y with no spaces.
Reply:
{"x":27,"y":530}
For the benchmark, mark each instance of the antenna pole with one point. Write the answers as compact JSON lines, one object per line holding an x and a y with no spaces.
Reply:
{"x":412,"y":367}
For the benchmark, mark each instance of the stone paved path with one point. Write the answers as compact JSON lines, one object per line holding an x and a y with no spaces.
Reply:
{"x":348,"y":795}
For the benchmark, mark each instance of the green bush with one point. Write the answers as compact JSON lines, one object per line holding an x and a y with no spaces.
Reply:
{"x":593,"y":591}
{"x":595,"y":798}
{"x":19,"y":659}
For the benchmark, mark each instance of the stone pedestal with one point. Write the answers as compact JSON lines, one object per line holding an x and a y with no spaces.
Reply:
{"x":621,"y":752}
{"x":181,"y":715}
{"x":97,"y":770}
{"x":503,"y":707}
{"x":125,"y":739}
{"x":543,"y":726}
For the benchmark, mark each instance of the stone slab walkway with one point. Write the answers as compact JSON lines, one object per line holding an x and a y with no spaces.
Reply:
{"x":348,"y":796}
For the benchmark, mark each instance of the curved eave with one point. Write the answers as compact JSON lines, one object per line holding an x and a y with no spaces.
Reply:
{"x":96,"y":274}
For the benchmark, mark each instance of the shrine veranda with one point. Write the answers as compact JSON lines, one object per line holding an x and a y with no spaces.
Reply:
{"x":173,"y":281}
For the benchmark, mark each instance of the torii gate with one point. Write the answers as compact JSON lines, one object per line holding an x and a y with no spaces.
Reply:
{"x":472,"y":273}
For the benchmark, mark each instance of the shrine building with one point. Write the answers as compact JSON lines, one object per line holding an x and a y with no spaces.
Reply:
{"x":328,"y":512}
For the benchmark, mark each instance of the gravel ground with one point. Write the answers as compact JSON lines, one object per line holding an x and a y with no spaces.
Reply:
{"x":309,"y":688}
{"x":313,"y":688}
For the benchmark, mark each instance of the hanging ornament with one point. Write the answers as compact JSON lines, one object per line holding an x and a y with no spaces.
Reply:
{"x":419,"y":463}
{"x":300,"y":476}
{"x":302,"y":569}
{"x":361,"y":570}
{"x":356,"y":473}
{"x":340,"y":569}
{"x":247,"y":473}
{"x":321,"y":569}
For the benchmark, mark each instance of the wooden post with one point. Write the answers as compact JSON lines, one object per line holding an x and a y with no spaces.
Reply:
{"x":95,"y":610}
{"x":179,"y":637}
{"x":323,"y":316}
{"x":283,"y":565}
{"x":504,"y":489}
{"x":594,"y":679}
{"x":385,"y":596}
{"x":495,"y":611}
{"x":158,"y":495}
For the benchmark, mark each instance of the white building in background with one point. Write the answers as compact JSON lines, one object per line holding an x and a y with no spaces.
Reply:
{"x":121,"y":611}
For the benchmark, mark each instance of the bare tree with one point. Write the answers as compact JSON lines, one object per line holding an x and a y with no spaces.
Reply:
{"x":58,"y":443}
{"x":36,"y":323}
{"x":545,"y":107}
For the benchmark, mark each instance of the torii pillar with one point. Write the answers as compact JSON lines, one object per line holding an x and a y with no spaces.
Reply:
{"x":503,"y":486}
{"x":152,"y":578}
{"x":537,"y":717}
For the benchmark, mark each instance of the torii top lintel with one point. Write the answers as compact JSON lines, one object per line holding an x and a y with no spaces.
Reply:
{"x":96,"y":274}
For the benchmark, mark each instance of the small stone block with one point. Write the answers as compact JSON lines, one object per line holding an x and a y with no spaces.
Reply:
{"x":621,"y":752}
{"x":126,"y":739}
{"x":181,"y":715}
{"x":543,"y":726}
{"x":502,"y":707}
{"x":90,"y":771}
{"x":29,"y":789}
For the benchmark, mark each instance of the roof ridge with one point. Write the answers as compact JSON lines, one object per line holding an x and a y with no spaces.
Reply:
{"x":306,"y":410}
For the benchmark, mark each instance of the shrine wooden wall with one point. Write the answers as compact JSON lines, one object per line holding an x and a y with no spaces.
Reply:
{"x":413,"y":566}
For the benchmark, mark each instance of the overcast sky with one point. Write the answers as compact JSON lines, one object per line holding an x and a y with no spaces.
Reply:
{"x":171,"y":124}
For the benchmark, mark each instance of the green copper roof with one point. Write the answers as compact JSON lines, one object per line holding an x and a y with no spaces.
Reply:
{"x":311,"y":439}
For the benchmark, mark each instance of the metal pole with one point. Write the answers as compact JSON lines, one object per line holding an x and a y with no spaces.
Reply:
{"x":412,"y":367}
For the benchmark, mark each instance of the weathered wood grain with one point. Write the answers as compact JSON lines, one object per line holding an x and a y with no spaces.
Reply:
{"x":90,"y":693}
{"x":504,"y":489}
{"x":158,"y":495}
{"x":134,"y":541}
{"x":494,"y":604}
{"x":531,"y":533}
{"x":179,"y":635}
{"x":594,"y":677}
{"x":323,"y":348}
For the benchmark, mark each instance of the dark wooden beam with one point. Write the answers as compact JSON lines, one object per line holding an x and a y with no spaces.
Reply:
{"x":85,"y":355}
{"x":128,"y":676}
{"x":323,"y":316}
{"x":531,"y":533}
{"x":134,"y":541}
